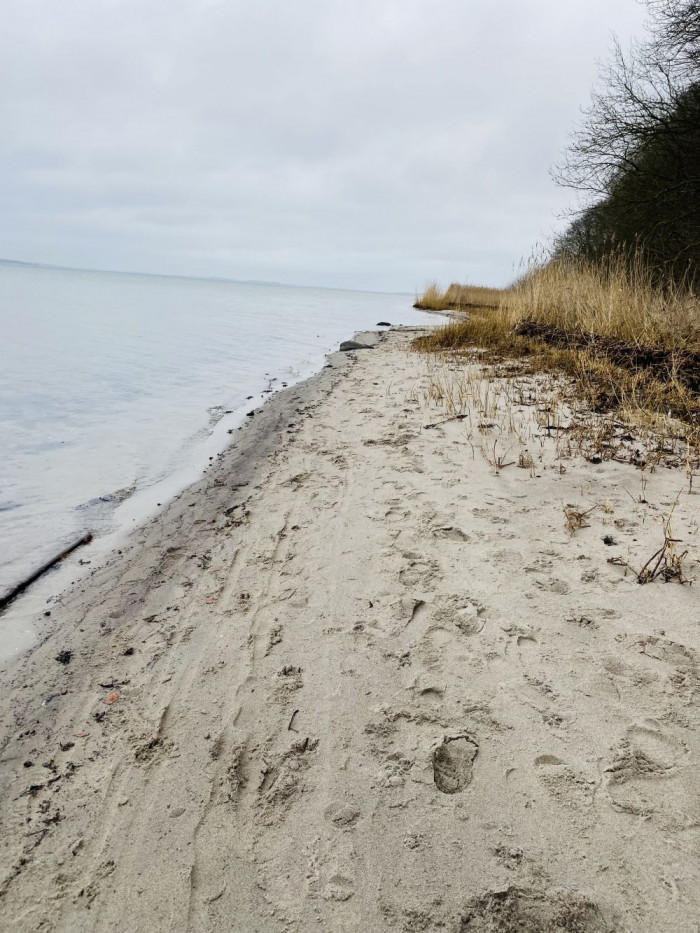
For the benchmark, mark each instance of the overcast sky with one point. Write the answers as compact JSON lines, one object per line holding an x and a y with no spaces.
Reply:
{"x":356,"y":143}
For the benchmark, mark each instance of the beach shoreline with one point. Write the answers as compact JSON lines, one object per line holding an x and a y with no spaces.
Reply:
{"x":24,"y":619}
{"x":121,"y":407}
{"x":358,"y":677}
{"x":248,"y":438}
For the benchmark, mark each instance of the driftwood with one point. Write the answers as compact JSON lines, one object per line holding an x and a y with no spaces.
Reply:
{"x":14,"y":591}
{"x":684,"y":365}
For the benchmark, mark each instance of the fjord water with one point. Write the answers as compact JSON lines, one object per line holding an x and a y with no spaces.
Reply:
{"x":113,"y":383}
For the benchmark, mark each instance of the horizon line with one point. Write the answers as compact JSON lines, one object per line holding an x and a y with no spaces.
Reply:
{"x":200,"y":278}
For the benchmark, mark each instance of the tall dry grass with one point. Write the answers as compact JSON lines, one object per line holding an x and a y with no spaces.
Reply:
{"x":457,"y":297}
{"x":629,"y":344}
{"x":614,"y":300}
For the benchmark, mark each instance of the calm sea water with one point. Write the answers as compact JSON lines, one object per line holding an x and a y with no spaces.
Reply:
{"x":113,"y":384}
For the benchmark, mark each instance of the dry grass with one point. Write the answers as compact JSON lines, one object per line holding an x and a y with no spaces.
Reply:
{"x":629,"y":346}
{"x":519,"y":399}
{"x":495,"y":458}
{"x":575,"y":517}
{"x":610,"y":300}
{"x":526,"y":460}
{"x":458,"y":297}
{"x":665,"y":563}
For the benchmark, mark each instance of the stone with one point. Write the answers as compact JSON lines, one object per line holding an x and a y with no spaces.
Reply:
{"x":354,"y":345}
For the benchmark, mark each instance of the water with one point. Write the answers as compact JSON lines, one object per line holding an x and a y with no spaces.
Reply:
{"x":114,"y":385}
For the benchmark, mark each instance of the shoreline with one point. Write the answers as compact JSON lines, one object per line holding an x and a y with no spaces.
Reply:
{"x":20,"y":620}
{"x":359,"y":678}
{"x":177,"y":358}
{"x":50,"y":590}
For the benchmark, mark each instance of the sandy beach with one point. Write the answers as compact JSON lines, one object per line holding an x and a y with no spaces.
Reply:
{"x":363,"y":677}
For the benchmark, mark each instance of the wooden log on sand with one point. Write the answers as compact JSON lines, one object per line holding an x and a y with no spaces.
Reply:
{"x":14,"y":591}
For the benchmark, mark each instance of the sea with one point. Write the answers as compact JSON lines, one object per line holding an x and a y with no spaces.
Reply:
{"x":116,"y":389}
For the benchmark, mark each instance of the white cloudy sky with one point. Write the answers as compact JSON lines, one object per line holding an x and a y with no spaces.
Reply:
{"x":354,"y":143}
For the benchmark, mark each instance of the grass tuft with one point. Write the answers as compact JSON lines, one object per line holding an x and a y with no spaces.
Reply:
{"x":665,"y":563}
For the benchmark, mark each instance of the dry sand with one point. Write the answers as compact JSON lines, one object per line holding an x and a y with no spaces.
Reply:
{"x":363,"y":683}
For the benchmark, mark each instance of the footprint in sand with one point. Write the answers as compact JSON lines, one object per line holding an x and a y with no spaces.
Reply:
{"x":408,"y":610}
{"x":429,"y":691}
{"x":552,"y":585}
{"x":515,"y":908}
{"x":466,"y":613}
{"x":453,"y":763}
{"x":679,"y":661}
{"x":487,"y":514}
{"x":450,"y":533}
{"x":522,"y":645}
{"x":435,"y":646}
{"x":645,"y":760}
{"x":330,"y":874}
{"x":419,"y":572}
{"x":342,"y":815}
{"x":567,"y":785}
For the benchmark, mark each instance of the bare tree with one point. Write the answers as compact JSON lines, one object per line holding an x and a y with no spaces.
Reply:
{"x":676,"y":30}
{"x":635,"y":157}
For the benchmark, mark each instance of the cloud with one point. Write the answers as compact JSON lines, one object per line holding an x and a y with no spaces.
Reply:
{"x":361,"y":144}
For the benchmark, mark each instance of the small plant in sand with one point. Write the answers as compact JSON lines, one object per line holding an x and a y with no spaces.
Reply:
{"x":525,"y":460}
{"x":575,"y":517}
{"x":498,"y":461}
{"x":666,"y":562}
{"x":690,"y":464}
{"x":641,"y":498}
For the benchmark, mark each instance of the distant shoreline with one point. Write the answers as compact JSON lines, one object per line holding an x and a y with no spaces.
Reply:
{"x":197,"y":278}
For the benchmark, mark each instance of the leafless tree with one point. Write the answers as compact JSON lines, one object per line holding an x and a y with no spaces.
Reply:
{"x":635,"y":157}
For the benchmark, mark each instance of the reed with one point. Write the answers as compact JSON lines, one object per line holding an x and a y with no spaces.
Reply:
{"x":458,"y":297}
{"x":629,"y":344}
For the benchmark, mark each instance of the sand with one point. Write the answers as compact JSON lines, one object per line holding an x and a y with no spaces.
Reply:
{"x":355,"y":679}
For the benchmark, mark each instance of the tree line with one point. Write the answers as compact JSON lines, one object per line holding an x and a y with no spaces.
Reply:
{"x":635,"y":156}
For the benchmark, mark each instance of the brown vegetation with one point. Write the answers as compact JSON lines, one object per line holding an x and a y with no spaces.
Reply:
{"x":458,"y":297}
{"x":630,"y":345}
{"x":665,"y":563}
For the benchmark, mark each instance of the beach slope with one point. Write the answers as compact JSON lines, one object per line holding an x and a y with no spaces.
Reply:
{"x":360,"y":679}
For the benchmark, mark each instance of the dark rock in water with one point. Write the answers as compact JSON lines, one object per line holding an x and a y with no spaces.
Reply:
{"x":250,"y":414}
{"x":109,"y":498}
{"x":354,"y":345}
{"x":383,"y":324}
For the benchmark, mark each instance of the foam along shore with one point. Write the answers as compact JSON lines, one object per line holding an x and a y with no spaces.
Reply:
{"x":362,"y":676}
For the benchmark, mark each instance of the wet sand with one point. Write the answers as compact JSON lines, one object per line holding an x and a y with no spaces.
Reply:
{"x":356,"y":679}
